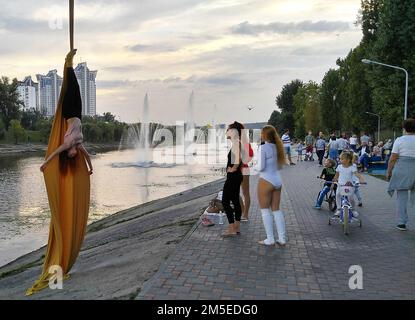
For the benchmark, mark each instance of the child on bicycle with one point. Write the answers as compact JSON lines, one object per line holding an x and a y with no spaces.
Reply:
{"x":345,"y":173}
{"x":327,"y":174}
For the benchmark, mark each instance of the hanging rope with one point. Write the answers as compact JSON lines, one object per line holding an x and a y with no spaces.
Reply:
{"x":71,"y":22}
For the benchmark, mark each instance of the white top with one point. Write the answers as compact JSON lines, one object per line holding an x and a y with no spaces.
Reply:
{"x":353,"y":141}
{"x":333,"y":145}
{"x":268,"y":166}
{"x":342,"y":143}
{"x":268,"y":158}
{"x":286,"y":140}
{"x":364,"y":138}
{"x":405,"y":146}
{"x":346,"y":174}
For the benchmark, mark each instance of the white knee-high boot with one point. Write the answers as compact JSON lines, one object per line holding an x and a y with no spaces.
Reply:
{"x":280,"y":223}
{"x":268,"y":224}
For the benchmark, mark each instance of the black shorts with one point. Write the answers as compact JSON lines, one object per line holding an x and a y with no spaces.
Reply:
{"x":72,"y":103}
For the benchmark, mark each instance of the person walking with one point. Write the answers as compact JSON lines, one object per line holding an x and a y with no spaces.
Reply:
{"x":271,"y":160}
{"x":333,"y":148}
{"x":246,"y":158}
{"x":401,"y":173}
{"x":309,"y":143}
{"x":364,"y":138}
{"x":233,"y":181}
{"x":286,"y":140}
{"x":320,"y":149}
{"x":342,"y":143}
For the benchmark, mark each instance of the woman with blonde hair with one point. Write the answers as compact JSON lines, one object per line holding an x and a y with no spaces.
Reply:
{"x":271,"y":160}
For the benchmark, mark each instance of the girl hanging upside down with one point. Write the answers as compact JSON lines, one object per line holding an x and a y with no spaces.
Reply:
{"x":72,"y":112}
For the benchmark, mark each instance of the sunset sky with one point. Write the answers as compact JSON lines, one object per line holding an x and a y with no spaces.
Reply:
{"x":231,"y":53}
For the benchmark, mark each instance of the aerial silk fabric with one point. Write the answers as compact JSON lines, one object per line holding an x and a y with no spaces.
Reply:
{"x":69,"y":196}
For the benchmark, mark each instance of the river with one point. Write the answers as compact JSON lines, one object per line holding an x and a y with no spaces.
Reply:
{"x":115,"y":185}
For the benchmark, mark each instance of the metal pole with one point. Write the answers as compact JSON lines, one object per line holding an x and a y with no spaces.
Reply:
{"x":406,"y":94}
{"x":406,"y":81}
{"x":378,"y":128}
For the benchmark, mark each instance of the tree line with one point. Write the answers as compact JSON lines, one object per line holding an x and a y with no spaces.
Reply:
{"x":346,"y":93}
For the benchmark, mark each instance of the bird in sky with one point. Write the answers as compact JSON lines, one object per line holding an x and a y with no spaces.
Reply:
{"x":250,"y":108}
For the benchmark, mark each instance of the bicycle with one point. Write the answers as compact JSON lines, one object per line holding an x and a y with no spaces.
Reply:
{"x":330,"y":197}
{"x":346,"y":217}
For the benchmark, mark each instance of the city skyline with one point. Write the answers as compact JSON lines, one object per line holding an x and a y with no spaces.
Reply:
{"x":44,"y":94}
{"x":232,"y":54}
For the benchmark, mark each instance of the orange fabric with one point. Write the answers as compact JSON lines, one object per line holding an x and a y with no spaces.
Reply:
{"x":69,"y":196}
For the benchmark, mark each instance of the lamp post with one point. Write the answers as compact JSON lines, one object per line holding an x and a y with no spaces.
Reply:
{"x":406,"y":83}
{"x":375,"y":114}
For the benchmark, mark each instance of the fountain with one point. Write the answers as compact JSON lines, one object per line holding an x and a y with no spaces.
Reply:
{"x":141,"y":138}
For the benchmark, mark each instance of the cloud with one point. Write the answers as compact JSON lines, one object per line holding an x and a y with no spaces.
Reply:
{"x":246,"y":28}
{"x":157,"y":48}
{"x":123,"y":68}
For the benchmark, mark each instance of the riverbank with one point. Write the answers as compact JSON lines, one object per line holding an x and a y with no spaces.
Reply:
{"x":15,"y":150}
{"x":120,"y":252}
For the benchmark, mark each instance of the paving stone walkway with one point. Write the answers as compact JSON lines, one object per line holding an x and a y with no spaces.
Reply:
{"x":314,"y":264}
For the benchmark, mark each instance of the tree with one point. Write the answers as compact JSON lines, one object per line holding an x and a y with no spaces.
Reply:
{"x":9,"y":101}
{"x":30,"y":118}
{"x":369,"y":19}
{"x":307,"y":106}
{"x":17,"y":132}
{"x":330,"y":101}
{"x":109,"y":117}
{"x":2,"y":129}
{"x":285,"y":101}
{"x":395,"y":45}
{"x":276,"y":120}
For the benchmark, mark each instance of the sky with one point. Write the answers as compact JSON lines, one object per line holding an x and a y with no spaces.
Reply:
{"x":231,"y":53}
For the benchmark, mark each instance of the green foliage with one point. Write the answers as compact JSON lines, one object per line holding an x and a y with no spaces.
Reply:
{"x":330,"y":101}
{"x":285,"y":101}
{"x":9,"y":101}
{"x":347,"y":93}
{"x":2,"y":129}
{"x":276,"y":120}
{"x":16,"y":131}
{"x":307,"y":109}
{"x":395,"y":45}
{"x":30,"y":119}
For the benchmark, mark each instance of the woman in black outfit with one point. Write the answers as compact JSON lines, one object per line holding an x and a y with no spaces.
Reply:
{"x":233,"y":181}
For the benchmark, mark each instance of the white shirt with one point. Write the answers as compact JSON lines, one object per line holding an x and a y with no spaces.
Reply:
{"x":286,"y":140}
{"x":353,"y":141}
{"x":405,"y":146}
{"x":346,"y":174}
{"x":342,"y":143}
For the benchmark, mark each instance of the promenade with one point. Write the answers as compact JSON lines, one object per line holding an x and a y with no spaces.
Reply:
{"x":314,"y":264}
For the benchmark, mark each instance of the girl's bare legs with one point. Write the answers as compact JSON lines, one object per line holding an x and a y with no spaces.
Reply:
{"x":265,"y":198}
{"x":276,"y":200}
{"x":247,"y":197}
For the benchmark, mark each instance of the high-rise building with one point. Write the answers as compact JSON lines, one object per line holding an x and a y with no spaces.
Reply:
{"x":49,"y":89}
{"x":87,"y":86}
{"x":29,"y":93}
{"x":44,"y":95}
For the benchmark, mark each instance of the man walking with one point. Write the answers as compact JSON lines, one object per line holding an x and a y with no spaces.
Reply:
{"x":320,"y":149}
{"x":286,"y":140}
{"x":309,"y":143}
